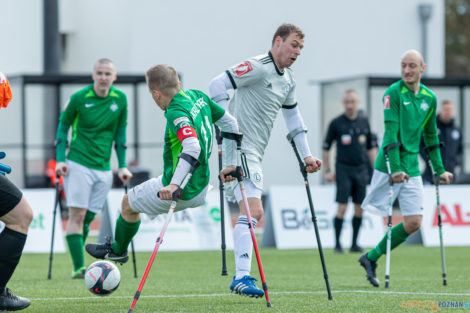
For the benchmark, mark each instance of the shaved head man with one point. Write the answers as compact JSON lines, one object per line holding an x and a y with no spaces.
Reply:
{"x":409,"y":113}
{"x":412,"y":67}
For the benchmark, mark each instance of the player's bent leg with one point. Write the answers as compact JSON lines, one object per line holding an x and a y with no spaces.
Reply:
{"x":412,"y":223}
{"x":338,"y":224}
{"x":12,"y":241}
{"x":127,"y":226}
{"x":74,"y":240}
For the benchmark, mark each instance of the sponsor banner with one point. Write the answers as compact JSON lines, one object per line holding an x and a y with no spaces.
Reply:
{"x":190,"y":229}
{"x":40,"y":229}
{"x":455,"y":214}
{"x":289,"y":222}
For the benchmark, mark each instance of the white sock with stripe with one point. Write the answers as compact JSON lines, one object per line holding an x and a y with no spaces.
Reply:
{"x":243,"y":246}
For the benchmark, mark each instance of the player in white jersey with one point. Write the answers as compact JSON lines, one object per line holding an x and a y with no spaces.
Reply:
{"x":263,"y":85}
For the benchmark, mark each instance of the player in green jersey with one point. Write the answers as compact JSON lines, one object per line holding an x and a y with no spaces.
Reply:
{"x":409,"y":112}
{"x":190,"y":116}
{"x":98,"y":117}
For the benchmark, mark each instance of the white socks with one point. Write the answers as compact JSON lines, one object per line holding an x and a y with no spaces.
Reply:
{"x":243,"y":246}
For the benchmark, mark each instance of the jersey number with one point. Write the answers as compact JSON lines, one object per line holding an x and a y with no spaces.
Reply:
{"x":205,"y":129}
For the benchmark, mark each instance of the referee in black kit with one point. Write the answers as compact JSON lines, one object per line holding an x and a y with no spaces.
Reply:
{"x":355,"y":149}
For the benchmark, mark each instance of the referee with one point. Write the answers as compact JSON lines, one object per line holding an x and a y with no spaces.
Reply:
{"x":353,"y":137}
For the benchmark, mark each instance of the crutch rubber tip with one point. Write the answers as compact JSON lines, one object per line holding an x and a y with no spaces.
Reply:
{"x":386,"y":285}
{"x":444,"y":283}
{"x":224,"y":273}
{"x":130,"y":311}
{"x":269,"y":304}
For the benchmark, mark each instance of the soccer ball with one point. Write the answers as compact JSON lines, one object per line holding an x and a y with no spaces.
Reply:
{"x":102,"y":278}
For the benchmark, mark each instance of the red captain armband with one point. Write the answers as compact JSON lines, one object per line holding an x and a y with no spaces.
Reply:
{"x":185,"y":132}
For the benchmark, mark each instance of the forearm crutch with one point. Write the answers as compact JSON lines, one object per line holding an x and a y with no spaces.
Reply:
{"x":239,"y":175}
{"x":56,"y":202}
{"x":222,"y":202}
{"x":132,"y":243}
{"x":303,"y":170}
{"x":176,"y":196}
{"x":438,"y":204}
{"x":390,"y":211}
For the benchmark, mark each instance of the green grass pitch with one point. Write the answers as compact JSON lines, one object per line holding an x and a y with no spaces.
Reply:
{"x":191,"y":282}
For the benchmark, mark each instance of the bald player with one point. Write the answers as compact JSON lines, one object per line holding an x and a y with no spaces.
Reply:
{"x":263,"y":86}
{"x":409,"y":112}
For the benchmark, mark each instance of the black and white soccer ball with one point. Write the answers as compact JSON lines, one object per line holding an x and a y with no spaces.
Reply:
{"x":102,"y":278}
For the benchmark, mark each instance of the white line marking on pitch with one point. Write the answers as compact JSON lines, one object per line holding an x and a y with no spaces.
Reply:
{"x":274,"y":293}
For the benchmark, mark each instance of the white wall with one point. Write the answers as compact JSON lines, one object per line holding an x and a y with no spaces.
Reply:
{"x":203,"y":38}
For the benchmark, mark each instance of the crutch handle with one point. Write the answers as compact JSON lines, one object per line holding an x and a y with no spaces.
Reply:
{"x":237,"y":173}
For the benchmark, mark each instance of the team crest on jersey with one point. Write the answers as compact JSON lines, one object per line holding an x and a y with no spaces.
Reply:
{"x":286,"y":89}
{"x":424,"y":106}
{"x":180,"y":119}
{"x":243,"y":68}
{"x":387,"y":102}
{"x":113,"y":107}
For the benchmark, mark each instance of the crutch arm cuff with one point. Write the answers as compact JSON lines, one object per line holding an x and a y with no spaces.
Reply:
{"x":391,"y":146}
{"x":432,"y":147}
{"x":233,"y":136}
{"x":191,"y":160}
{"x":295,"y":132}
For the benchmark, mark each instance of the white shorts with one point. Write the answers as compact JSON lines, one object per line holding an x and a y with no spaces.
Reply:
{"x":410,"y":195}
{"x":253,"y":180}
{"x":143,"y":199}
{"x":86,"y":188}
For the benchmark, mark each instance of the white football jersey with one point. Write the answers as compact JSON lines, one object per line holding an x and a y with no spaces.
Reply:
{"x":261,"y":89}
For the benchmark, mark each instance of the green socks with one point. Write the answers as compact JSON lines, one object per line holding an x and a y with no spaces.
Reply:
{"x":75,"y":243}
{"x":125,"y":231}
{"x":399,"y":235}
{"x":89,"y":217}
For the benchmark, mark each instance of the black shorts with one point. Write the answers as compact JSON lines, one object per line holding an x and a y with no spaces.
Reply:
{"x":351,"y":181}
{"x":10,"y":195}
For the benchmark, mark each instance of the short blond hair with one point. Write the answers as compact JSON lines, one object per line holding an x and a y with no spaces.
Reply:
{"x":162,"y":78}
{"x":103,"y":61}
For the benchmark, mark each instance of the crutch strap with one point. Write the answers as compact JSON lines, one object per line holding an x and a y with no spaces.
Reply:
{"x":391,"y":146}
{"x":432,"y":147}
{"x":191,"y":160}
{"x":295,"y":132}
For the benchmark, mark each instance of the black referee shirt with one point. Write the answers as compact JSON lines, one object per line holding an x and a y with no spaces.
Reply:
{"x":353,"y":138}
